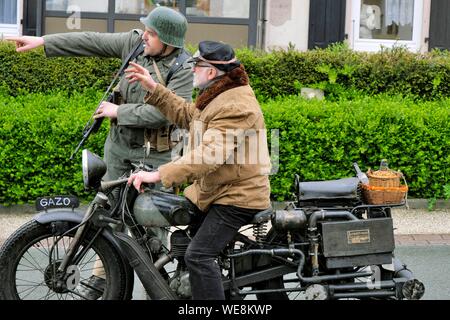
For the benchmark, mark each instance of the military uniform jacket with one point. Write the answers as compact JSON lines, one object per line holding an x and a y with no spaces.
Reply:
{"x":133,"y":114}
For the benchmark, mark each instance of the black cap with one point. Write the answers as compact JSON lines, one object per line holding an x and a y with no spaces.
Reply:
{"x":218,"y":54}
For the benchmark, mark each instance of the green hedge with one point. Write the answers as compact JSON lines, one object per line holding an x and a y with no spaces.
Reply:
{"x":37,"y":136}
{"x":32,"y":72}
{"x":339,"y":71}
{"x":336,"y":70}
{"x":318,"y":140}
{"x":321,"y":140}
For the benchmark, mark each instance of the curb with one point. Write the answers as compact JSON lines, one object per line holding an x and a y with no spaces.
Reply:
{"x":423,"y":204}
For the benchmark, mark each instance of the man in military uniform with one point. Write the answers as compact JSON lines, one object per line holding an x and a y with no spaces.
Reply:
{"x":134,"y":124}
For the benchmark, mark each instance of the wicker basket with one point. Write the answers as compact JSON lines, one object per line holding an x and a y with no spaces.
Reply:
{"x":387,"y":178}
{"x":384,"y":195}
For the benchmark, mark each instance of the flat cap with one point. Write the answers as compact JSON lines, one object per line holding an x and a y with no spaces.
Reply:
{"x":218,"y":54}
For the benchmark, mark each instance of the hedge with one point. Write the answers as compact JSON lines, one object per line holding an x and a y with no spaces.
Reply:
{"x":38,"y":134}
{"x":318,"y":140}
{"x":336,"y":70}
{"x":32,"y":72}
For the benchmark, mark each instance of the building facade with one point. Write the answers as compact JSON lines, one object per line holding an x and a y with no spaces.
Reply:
{"x":366,"y":25}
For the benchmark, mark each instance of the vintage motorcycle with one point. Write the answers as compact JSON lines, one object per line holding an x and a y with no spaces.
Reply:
{"x":327,"y":244}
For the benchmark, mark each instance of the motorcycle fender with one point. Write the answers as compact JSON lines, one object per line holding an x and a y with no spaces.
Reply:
{"x":75,"y":216}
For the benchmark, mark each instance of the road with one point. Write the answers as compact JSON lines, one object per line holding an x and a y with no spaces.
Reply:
{"x":430,"y":264}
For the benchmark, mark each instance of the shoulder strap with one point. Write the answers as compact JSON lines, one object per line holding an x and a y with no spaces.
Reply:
{"x":178,"y":64}
{"x":137,"y":50}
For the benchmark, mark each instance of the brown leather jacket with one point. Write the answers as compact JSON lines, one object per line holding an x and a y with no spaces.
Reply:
{"x":227,"y":160}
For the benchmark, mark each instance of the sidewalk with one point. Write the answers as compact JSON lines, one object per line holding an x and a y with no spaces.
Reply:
{"x":411,"y":227}
{"x":421,"y":227}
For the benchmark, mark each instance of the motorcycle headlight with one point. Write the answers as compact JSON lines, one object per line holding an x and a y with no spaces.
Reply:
{"x":94,"y":168}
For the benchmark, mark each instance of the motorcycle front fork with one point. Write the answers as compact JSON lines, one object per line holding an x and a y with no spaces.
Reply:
{"x":100,"y":200}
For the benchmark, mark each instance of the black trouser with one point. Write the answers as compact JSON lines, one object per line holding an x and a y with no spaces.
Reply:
{"x":219,"y":226}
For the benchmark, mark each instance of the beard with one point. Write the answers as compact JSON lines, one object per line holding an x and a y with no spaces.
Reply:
{"x":198,"y":83}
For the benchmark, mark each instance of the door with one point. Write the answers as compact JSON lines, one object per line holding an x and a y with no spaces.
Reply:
{"x":30,"y":17}
{"x":326,"y":22}
{"x":439,"y":25}
{"x":10,"y":11}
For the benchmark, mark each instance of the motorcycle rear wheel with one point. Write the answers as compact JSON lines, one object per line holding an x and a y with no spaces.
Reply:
{"x":28,"y":274}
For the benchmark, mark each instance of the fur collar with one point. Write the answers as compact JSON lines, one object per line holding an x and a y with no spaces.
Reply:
{"x":233,"y":79}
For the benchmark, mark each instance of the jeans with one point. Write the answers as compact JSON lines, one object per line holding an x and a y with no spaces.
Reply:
{"x":219,"y":226}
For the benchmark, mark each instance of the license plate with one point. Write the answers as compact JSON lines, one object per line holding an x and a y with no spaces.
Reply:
{"x":45,"y":203}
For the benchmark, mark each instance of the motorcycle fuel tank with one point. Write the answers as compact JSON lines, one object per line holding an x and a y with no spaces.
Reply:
{"x":160,"y":209}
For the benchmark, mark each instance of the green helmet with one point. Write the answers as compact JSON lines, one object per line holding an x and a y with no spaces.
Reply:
{"x":169,"y":24}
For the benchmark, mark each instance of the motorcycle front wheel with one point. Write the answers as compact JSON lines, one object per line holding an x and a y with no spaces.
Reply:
{"x":29,"y":260}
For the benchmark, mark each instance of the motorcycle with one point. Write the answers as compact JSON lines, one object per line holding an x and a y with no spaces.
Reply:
{"x":325,"y":244}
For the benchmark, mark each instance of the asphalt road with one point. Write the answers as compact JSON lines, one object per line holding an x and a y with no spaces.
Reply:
{"x":431,"y":265}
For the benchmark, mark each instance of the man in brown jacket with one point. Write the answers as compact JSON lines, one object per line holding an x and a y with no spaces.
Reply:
{"x":227,"y":160}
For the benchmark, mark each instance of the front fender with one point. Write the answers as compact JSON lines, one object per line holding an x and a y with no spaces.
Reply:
{"x":76,"y":216}
{"x":52,"y":215}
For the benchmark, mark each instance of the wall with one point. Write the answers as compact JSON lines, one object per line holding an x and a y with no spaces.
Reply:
{"x":288,"y":22}
{"x":424,"y":46}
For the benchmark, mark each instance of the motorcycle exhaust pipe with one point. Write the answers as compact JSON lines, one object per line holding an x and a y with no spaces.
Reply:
{"x":308,"y":280}
{"x":155,"y":285}
{"x":412,"y":288}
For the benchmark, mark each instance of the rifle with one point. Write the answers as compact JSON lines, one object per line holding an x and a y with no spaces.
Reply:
{"x":93,"y":125}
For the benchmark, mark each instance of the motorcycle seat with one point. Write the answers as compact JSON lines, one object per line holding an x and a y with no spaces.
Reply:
{"x":262,"y":216}
{"x":342,"y":188}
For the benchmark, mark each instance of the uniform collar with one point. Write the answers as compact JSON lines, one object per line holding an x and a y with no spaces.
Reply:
{"x":167,"y":59}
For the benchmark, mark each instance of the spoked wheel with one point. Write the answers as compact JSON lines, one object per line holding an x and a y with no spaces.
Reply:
{"x":288,"y":281}
{"x":29,"y":262}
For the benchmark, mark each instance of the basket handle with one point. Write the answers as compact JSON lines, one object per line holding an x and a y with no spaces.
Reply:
{"x":406,"y":194}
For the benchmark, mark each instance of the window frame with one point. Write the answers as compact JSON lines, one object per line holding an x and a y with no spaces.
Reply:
{"x":111,"y":16}
{"x":13,"y":28}
{"x":374,"y":45}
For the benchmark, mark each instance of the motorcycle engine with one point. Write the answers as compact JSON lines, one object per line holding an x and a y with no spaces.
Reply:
{"x":181,"y":285}
{"x":179,"y":241}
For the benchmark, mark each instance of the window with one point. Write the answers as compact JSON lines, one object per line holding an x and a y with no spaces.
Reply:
{"x":77,"y":5}
{"x":142,"y":7}
{"x":387,"y":23}
{"x":387,"y":19}
{"x":218,"y":8}
{"x":8,"y":11}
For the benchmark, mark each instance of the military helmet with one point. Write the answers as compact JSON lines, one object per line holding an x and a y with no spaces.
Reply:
{"x":170,"y":25}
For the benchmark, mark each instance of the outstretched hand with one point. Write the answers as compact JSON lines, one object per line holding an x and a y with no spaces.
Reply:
{"x":139,"y":73}
{"x":26,"y":43}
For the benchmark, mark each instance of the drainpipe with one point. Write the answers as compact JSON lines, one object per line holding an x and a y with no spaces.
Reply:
{"x":263,"y":21}
{"x":39,"y":18}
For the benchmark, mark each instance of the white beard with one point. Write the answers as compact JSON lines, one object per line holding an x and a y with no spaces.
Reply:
{"x":199,"y":85}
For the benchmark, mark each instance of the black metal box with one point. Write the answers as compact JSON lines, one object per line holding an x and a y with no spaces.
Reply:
{"x":358,"y":243}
